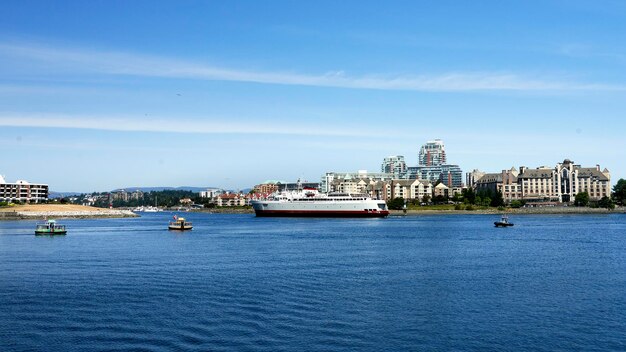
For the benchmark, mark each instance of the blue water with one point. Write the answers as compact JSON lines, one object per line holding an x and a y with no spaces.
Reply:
{"x":236,"y":282}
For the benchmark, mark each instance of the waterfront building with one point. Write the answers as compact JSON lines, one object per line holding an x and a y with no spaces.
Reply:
{"x":22,"y":191}
{"x":549,"y":185}
{"x":563,"y":182}
{"x":376,"y":189}
{"x":394,"y":165}
{"x":121,"y":195}
{"x":136,"y":195}
{"x":433,"y":153}
{"x":231,"y":200}
{"x":266,"y":187}
{"x":211,"y":193}
{"x":472,"y":177}
{"x":329,"y":178}
{"x":441,"y":190}
{"x":408,"y":189}
{"x":186,"y":201}
{"x":505,"y":182}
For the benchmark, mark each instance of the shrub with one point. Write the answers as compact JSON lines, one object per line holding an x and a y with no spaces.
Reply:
{"x":458,"y":207}
{"x":396,"y":203}
{"x":469,"y":207}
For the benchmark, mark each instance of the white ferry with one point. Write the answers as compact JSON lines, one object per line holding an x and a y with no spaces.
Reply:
{"x":309,"y":202}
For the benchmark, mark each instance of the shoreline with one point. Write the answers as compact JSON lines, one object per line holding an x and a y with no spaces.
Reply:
{"x":103,"y":213}
{"x":514,"y":211}
{"x":61,"y":211}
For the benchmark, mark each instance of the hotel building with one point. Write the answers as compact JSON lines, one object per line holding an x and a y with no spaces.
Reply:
{"x":544,"y":184}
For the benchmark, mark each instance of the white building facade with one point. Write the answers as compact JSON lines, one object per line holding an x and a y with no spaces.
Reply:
{"x":546,"y":184}
{"x":23,"y":191}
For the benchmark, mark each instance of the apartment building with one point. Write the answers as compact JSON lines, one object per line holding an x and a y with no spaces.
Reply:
{"x":22,"y":191}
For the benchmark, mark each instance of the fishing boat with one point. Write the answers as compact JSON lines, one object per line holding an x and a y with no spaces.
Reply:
{"x":504,"y":222}
{"x":179,"y":224}
{"x":50,"y":228}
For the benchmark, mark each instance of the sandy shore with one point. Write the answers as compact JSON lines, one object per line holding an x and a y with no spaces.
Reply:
{"x":41,"y":211}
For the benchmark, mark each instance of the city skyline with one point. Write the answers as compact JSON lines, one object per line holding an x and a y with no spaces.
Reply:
{"x":121,"y":94}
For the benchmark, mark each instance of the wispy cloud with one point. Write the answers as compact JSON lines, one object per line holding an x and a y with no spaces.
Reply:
{"x":578,"y":50}
{"x":165,"y":125}
{"x":119,"y":63}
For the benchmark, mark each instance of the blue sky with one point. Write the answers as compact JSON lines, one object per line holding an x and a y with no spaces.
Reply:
{"x":96,"y":95}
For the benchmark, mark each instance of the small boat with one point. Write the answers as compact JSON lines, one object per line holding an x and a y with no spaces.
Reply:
{"x":504,"y":222}
{"x":179,"y":224}
{"x":50,"y":228}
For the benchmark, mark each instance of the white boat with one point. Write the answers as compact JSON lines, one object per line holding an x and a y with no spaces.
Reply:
{"x":148,"y":209}
{"x":151,"y":209}
{"x":309,"y":202}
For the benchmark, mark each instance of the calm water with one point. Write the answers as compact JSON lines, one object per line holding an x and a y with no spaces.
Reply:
{"x":237,"y":282}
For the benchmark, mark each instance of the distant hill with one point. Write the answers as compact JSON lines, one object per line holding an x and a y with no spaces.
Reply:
{"x":158,"y":189}
{"x":56,"y":195}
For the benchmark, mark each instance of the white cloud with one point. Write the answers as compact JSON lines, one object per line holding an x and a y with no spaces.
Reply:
{"x":166,"y":125}
{"x":118,"y":63}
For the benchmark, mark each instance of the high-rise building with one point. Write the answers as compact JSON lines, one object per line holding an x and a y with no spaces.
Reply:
{"x":433,"y":166}
{"x":395,"y":165}
{"x":433,"y":153}
{"x":450,"y":175}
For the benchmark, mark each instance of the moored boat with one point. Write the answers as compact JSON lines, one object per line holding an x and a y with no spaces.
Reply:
{"x":504,"y":222}
{"x":180,"y":224}
{"x":50,"y":227}
{"x":308,"y":202}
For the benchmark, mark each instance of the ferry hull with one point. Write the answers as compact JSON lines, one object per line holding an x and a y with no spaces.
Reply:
{"x":321,"y":213}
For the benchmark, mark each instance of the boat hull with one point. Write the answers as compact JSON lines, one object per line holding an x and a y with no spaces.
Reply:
{"x":502,"y":224}
{"x":180,"y":228}
{"x":50,"y":233}
{"x":321,"y":213}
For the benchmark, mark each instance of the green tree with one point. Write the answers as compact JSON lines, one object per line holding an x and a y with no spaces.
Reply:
{"x":581,"y":199}
{"x":497,"y":200}
{"x":426,"y":199}
{"x":516,"y":204}
{"x":396,"y":203}
{"x":457,"y":198}
{"x":469,"y":196}
{"x":606,"y":202}
{"x":619,"y":192}
{"x":440,"y":199}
